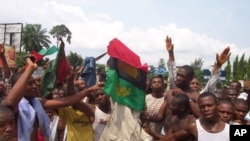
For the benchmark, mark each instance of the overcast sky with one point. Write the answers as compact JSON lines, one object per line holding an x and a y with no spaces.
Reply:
{"x":199,"y":28}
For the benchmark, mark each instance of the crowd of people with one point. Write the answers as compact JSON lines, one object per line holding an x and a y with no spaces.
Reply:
{"x":74,"y":111}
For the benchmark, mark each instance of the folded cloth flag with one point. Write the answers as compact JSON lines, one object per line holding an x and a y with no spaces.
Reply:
{"x":56,"y":72}
{"x":126,"y":81}
{"x":89,"y":71}
{"x":50,"y":51}
{"x":38,"y":56}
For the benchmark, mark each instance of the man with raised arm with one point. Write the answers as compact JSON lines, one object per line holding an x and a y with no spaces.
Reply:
{"x":31,"y":114}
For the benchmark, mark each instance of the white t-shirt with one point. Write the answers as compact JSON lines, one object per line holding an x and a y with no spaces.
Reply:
{"x":153,"y":106}
{"x":204,"y":135}
{"x":99,"y":123}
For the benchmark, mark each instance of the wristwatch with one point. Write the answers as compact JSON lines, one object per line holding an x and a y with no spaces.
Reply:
{"x":190,"y":100}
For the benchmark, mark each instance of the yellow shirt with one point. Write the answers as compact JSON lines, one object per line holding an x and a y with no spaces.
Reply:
{"x":78,"y":125}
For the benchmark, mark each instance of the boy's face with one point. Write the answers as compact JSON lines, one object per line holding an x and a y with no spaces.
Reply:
{"x":225,"y":112}
{"x":7,"y":126}
{"x":195,"y":85}
{"x":175,"y":108}
{"x":240,"y":111}
{"x":31,"y":89}
{"x":208,"y":107}
{"x":232,"y":94}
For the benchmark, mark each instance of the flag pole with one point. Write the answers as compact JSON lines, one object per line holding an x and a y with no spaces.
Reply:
{"x":100,"y":56}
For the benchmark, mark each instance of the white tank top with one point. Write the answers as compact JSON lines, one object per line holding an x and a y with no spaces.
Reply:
{"x":203,"y":135}
{"x":99,"y":123}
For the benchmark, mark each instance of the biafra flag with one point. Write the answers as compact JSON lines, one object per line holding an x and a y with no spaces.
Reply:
{"x":126,"y":77}
{"x":57,"y":71}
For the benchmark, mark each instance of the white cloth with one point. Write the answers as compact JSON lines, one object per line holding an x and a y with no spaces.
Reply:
{"x":53,"y":127}
{"x":99,"y":122}
{"x":26,"y":118}
{"x":234,"y":123}
{"x":124,"y":125}
{"x":204,"y":135}
{"x":211,"y":84}
{"x":153,"y":105}
{"x":243,"y":95}
{"x":247,"y":117}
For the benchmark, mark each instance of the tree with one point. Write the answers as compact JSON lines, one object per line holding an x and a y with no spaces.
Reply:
{"x":242,"y":68}
{"x":100,"y":68}
{"x":199,"y":75}
{"x":61,"y":31}
{"x":228,"y":72}
{"x":75,"y":59}
{"x":19,"y":59}
{"x":34,"y":38}
{"x":151,"y":71}
{"x":197,"y":65}
{"x":235,"y":69}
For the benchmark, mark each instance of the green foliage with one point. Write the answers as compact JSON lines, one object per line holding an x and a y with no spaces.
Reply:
{"x":61,"y":31}
{"x":197,"y":64}
{"x":219,"y":85}
{"x":235,"y":69}
{"x":75,"y":59}
{"x":198,"y":73}
{"x":242,"y":68}
{"x":34,"y":38}
{"x":100,"y":68}
{"x":150,"y":73}
{"x":248,"y":69}
{"x":228,"y":72}
{"x":20,"y":59}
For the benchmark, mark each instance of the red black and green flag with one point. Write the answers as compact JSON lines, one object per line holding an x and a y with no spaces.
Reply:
{"x":57,"y":71}
{"x":126,"y":79}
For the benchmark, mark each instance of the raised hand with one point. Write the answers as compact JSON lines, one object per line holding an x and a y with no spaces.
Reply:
{"x":169,"y":45}
{"x":97,"y":86}
{"x":79,"y":69}
{"x":223,"y":57}
{"x":30,"y":62}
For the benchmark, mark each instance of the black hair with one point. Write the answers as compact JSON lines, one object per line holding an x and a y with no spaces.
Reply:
{"x":150,"y":83}
{"x":182,"y":100}
{"x":225,"y":101}
{"x":226,"y":90}
{"x":240,"y":101}
{"x":238,"y":83}
{"x":189,"y":70}
{"x":103,"y":76}
{"x":206,"y":94}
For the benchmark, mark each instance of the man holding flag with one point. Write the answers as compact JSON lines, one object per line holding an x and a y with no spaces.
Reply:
{"x":125,"y":84}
